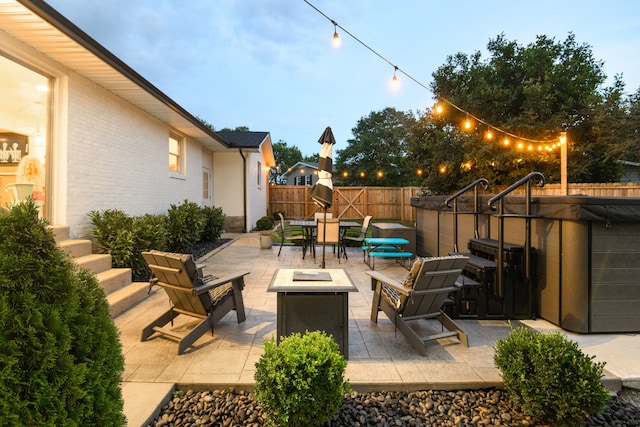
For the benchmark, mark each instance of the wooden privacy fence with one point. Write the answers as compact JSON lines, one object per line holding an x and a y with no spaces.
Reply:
{"x":395,"y":202}
{"x":294,"y":201}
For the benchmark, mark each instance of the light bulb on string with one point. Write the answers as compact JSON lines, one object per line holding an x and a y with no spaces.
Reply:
{"x":438,"y":108}
{"x":488,"y":135}
{"x":336,"y":42}
{"x":394,"y":80}
{"x":467,"y":125}
{"x":506,"y":142}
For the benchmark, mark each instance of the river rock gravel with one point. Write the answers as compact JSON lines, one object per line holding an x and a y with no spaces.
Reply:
{"x":488,"y":407}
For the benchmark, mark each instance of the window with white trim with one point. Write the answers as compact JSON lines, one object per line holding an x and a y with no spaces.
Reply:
{"x":176,"y":148}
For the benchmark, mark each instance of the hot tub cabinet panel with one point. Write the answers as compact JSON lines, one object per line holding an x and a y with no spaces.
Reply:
{"x":587,"y":252}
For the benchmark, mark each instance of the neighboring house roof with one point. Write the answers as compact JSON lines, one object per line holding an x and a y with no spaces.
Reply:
{"x":41,"y":26}
{"x":311,"y":165}
{"x":250,"y":140}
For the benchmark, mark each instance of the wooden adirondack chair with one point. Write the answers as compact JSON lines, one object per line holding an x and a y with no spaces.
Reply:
{"x":204,"y":297}
{"x":420,"y":296}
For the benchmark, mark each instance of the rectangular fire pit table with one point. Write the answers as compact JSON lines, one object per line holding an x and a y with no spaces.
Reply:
{"x":313,"y":300}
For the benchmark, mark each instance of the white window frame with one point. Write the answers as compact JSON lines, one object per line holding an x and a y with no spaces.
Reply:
{"x":179,"y":154}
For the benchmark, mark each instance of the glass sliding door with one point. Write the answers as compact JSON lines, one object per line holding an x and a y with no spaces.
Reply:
{"x":24,"y":116}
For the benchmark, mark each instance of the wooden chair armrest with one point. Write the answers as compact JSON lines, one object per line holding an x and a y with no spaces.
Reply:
{"x":387,"y":281}
{"x":166,"y":269}
{"x":219,"y":281}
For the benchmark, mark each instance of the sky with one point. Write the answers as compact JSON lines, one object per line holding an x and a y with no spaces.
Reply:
{"x":269,"y":64}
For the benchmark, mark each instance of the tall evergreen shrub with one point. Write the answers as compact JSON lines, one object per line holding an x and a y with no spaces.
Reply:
{"x":61,"y":360}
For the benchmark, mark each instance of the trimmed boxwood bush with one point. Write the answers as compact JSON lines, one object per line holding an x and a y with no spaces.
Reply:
{"x":301,"y":382}
{"x":547,"y":376}
{"x":61,"y":360}
{"x":265,"y":223}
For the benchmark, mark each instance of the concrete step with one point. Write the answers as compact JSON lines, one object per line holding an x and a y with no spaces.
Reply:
{"x":76,"y":248}
{"x":126,"y":297}
{"x":96,"y":263}
{"x":60,"y":232}
{"x":113,"y":279}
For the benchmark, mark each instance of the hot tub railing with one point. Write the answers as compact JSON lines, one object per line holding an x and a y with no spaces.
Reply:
{"x":527,"y":217}
{"x":476,"y":207}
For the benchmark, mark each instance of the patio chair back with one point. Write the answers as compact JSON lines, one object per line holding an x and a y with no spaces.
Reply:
{"x":178,"y":275}
{"x":433,"y":282}
{"x":332,"y":236}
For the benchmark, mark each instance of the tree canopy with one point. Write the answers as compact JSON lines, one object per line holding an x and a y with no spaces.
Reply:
{"x":377,"y":154}
{"x":526,"y":94}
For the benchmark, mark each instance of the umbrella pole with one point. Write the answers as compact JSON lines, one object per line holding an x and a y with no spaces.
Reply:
{"x":324,"y":235}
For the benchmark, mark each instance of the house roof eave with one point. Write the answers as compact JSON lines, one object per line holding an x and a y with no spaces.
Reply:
{"x":46,"y":30}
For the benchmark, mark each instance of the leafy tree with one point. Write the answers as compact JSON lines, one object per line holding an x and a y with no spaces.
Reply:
{"x":313,"y":158}
{"x":532,"y":92}
{"x":237,"y":129}
{"x":286,"y":156}
{"x":377,"y":153}
{"x":206,"y":123}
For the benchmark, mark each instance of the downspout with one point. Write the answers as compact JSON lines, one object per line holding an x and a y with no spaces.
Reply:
{"x":244,"y":189}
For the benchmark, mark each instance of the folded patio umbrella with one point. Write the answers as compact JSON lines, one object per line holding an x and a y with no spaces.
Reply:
{"x":322,"y":191}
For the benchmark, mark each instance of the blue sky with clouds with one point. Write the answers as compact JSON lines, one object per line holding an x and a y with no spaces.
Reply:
{"x":269,"y":64}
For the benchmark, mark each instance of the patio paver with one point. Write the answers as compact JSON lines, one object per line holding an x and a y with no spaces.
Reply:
{"x":380,"y":357}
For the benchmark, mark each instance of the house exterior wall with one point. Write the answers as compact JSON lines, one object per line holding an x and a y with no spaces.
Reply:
{"x":117,"y":158}
{"x":227,"y":188}
{"x":257,"y":189}
{"x":228,"y":180}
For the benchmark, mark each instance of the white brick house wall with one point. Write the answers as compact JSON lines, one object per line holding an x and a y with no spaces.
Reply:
{"x":118,"y":158}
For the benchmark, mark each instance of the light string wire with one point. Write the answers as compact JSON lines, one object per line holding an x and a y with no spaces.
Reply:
{"x":441,"y":99}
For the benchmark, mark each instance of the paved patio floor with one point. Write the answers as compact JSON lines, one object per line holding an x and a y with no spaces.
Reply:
{"x":379,"y":357}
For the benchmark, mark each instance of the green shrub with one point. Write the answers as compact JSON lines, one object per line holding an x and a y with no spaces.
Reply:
{"x":214,"y":221}
{"x":265,"y":223}
{"x":125,"y":238}
{"x":548,"y":376}
{"x":61,"y":361}
{"x":185,"y":225}
{"x":300,"y":382}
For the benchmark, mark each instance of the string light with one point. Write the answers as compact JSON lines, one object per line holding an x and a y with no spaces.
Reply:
{"x":468,"y":124}
{"x":336,"y":42}
{"x":394,"y":80}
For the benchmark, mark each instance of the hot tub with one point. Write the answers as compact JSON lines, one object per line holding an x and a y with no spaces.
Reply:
{"x":587,"y":249}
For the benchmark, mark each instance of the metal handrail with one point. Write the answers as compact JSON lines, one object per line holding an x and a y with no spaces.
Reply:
{"x":475,"y":183}
{"x":476,"y":205}
{"x":526,"y":180}
{"x":527,"y":244}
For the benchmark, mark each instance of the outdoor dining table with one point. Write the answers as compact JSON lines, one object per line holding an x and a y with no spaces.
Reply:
{"x":309,"y":226}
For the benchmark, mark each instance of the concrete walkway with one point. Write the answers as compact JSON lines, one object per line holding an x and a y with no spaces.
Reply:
{"x":379,"y":358}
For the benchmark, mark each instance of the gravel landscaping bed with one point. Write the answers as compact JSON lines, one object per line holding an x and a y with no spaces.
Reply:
{"x":488,"y":407}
